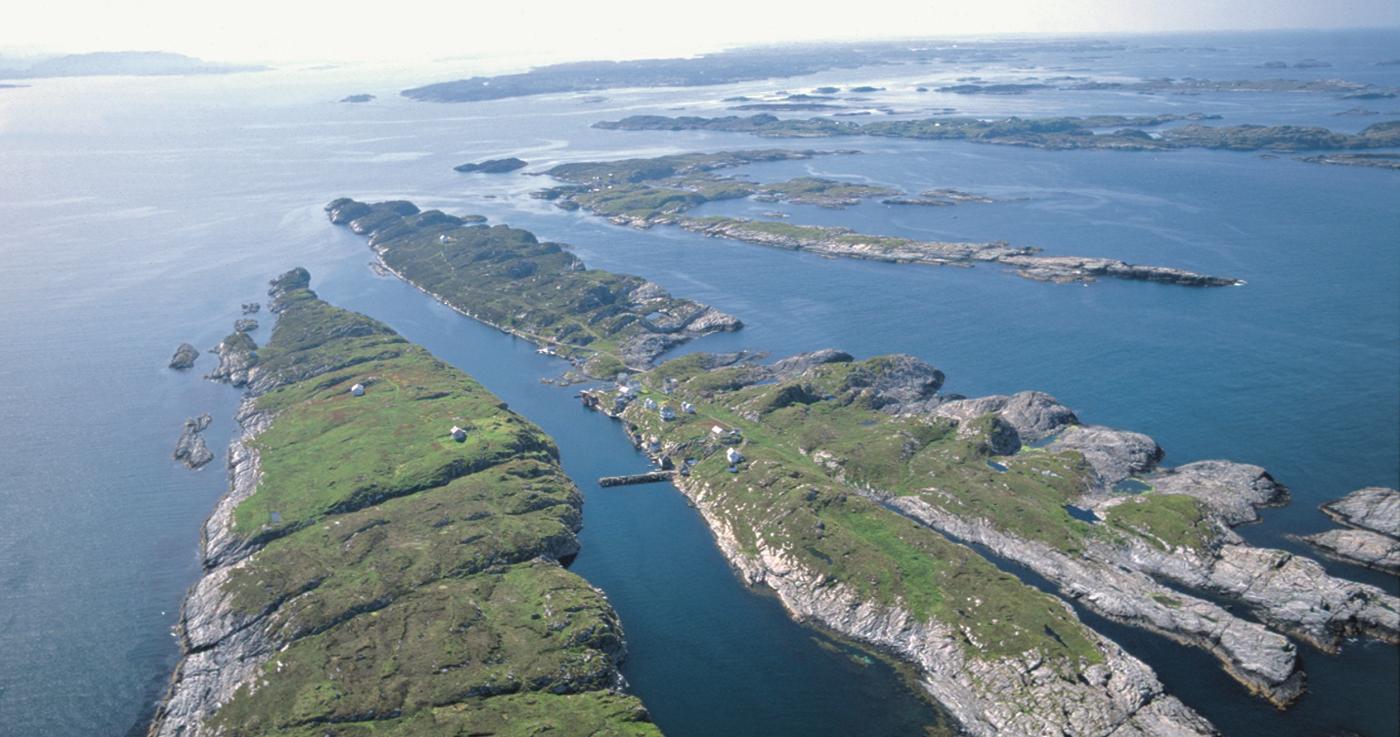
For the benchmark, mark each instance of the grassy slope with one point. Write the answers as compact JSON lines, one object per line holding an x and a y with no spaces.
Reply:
{"x":811,"y":444}
{"x":412,"y":581}
{"x":506,"y":277}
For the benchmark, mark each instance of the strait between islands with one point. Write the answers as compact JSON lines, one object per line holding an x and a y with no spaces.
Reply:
{"x":851,"y":488}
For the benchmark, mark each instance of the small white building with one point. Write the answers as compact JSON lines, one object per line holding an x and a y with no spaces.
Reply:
{"x":650,"y":403}
{"x":688,"y":408}
{"x":358,"y":390}
{"x":460,"y":435}
{"x":623,"y":390}
{"x":668,"y":413}
{"x":733,"y":456}
{"x":717,"y":431}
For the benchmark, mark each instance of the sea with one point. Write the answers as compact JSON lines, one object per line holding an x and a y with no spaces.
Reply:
{"x":140,"y":212}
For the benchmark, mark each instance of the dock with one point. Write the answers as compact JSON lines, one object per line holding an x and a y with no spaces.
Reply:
{"x":650,"y":477}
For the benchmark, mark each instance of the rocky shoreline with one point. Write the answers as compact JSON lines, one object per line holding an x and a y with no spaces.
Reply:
{"x":1372,"y":534}
{"x":1123,"y":575}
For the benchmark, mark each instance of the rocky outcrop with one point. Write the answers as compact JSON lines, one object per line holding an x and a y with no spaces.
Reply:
{"x":1265,"y":662}
{"x":237,"y":358}
{"x":250,"y":308}
{"x":191,"y":449}
{"x":1234,"y":491}
{"x":245,"y":325}
{"x":1373,"y":508}
{"x":1035,"y":415}
{"x":1363,"y":547}
{"x":184,"y":357}
{"x":1115,"y":455}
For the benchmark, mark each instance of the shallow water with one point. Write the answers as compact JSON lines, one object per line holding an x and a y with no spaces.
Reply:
{"x":141,"y":212}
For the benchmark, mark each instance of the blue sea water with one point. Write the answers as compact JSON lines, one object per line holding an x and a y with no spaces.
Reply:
{"x":139,"y":213}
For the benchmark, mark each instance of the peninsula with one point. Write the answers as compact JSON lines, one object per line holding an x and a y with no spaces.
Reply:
{"x":507,"y":278}
{"x":389,"y":558}
{"x":642,"y":193}
{"x":1110,"y":132}
{"x":875,"y":506}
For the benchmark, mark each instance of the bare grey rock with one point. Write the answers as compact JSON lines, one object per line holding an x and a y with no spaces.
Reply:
{"x":1035,"y":415}
{"x":237,"y":359}
{"x":1232,"y":490}
{"x":245,"y":325}
{"x":190,"y":449}
{"x":1114,"y":455}
{"x":1373,"y":508}
{"x":1264,"y":661}
{"x":794,"y":366}
{"x":896,"y":384}
{"x":184,"y":357}
{"x":1363,"y":547}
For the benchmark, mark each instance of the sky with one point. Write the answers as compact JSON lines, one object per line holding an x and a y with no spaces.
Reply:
{"x":419,"y":30}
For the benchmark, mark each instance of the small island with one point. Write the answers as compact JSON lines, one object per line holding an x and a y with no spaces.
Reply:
{"x":358,"y":98}
{"x":491,"y":166}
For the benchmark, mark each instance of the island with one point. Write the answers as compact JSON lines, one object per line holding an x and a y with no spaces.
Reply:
{"x":541,"y":292}
{"x":363,"y":97}
{"x":492,"y":166}
{"x":185,"y":356}
{"x":389,"y":560}
{"x":191,"y":449}
{"x":1064,"y":133}
{"x":645,"y":192}
{"x":1373,"y":161}
{"x":875,"y":506}
{"x":1372,"y":534}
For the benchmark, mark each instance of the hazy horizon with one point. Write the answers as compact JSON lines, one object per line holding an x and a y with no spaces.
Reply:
{"x":267,"y":32}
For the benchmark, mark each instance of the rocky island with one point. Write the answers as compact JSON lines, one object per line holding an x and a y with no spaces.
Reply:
{"x":491,"y":166}
{"x":854,"y":489}
{"x":191,"y":449}
{"x":1110,"y":132}
{"x":185,"y":356}
{"x":1374,"y":161}
{"x":360,"y":98}
{"x":658,"y":191}
{"x":371,"y":572}
{"x":507,"y":278}
{"x":1372,"y":537}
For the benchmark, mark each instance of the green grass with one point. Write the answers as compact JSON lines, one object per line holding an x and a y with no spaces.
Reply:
{"x":411,"y":586}
{"x":784,"y":499}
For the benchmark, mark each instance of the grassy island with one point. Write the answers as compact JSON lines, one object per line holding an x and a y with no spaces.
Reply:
{"x":397,"y":580}
{"x":1096,"y":132}
{"x":642,"y":193}
{"x":506,"y":277}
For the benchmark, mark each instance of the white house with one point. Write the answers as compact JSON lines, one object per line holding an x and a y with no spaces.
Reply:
{"x":650,"y":403}
{"x":733,"y":456}
{"x":460,"y":435}
{"x":668,"y":413}
{"x":688,"y":408}
{"x":358,"y":390}
{"x":716,"y":431}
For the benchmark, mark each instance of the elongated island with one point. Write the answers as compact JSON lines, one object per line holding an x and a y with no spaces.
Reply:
{"x":388,"y":559}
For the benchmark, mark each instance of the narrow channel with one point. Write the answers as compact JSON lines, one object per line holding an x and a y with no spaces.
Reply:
{"x":707,"y":655}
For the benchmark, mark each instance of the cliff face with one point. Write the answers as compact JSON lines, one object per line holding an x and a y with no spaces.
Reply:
{"x":370,"y":572}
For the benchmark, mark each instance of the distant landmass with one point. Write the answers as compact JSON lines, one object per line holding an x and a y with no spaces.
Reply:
{"x":111,"y":63}
{"x":720,"y":68}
